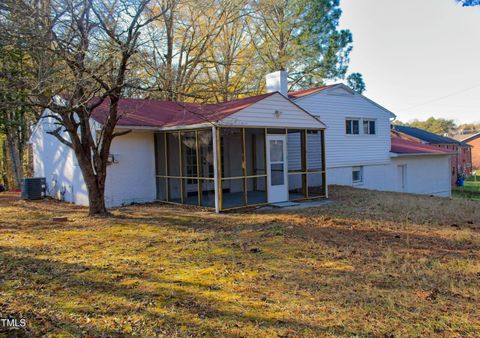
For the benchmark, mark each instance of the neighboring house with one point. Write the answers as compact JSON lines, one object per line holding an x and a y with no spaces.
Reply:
{"x":461,"y":157}
{"x":252,"y":151}
{"x":474,"y":141}
{"x":263,"y":149}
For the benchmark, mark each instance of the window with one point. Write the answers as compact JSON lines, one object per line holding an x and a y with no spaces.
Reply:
{"x":357,"y":174}
{"x":369,"y":127}
{"x":277,"y":162}
{"x":352,"y":127}
{"x":191,"y":165}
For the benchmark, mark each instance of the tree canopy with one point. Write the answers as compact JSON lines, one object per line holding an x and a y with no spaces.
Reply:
{"x":442,"y":126}
{"x":355,"y":81}
{"x":468,"y":3}
{"x":85,"y":53}
{"x":301,"y":36}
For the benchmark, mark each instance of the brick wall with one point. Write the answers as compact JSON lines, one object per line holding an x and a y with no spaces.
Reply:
{"x":475,"y":143}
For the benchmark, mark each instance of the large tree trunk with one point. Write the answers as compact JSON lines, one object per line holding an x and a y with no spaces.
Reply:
{"x":96,"y":197}
{"x":96,"y":191}
{"x":4,"y":168}
{"x":15,"y":160}
{"x":95,"y":182}
{"x":29,"y":159}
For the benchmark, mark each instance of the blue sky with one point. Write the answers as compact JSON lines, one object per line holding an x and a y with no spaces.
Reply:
{"x":419,"y":58}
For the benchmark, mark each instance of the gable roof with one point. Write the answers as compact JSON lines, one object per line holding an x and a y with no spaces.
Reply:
{"x":470,"y":137}
{"x":156,"y":113}
{"x":425,"y":136}
{"x":405,"y":147}
{"x":306,"y":92}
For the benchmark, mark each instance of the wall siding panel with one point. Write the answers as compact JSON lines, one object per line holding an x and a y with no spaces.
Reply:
{"x":262,"y":114}
{"x":132,"y":179}
{"x":333,"y":108}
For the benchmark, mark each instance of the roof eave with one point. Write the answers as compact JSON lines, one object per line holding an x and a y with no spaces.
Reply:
{"x":323,"y":125}
{"x":159,"y":128}
{"x":338,"y":85}
{"x":394,"y":154}
{"x":470,"y":138}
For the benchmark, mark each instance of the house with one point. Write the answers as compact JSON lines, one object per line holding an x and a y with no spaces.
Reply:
{"x":461,"y":162}
{"x":251,"y":151}
{"x":360,"y":150}
{"x":358,"y":135}
{"x":263,"y":149}
{"x":474,"y":141}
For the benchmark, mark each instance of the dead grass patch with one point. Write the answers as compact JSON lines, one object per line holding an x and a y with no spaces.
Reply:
{"x":370,"y":264}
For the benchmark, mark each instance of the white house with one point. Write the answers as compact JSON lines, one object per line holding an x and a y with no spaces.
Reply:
{"x":359,"y":149}
{"x":252,"y":151}
{"x":419,"y":168}
{"x":268,"y":148}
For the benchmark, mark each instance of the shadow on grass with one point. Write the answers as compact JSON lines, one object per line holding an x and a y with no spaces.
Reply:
{"x":52,"y":282}
{"x":343,"y":234}
{"x":326,"y":227}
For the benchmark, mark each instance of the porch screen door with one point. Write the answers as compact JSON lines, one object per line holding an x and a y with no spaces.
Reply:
{"x":277,"y":168}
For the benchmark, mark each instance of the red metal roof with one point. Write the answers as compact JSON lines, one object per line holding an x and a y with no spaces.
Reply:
{"x":155,"y":113}
{"x":305,"y":92}
{"x":402,"y":146}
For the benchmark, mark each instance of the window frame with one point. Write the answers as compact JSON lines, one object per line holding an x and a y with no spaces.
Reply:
{"x":360,"y":170}
{"x":367,"y":123}
{"x":349,"y":122}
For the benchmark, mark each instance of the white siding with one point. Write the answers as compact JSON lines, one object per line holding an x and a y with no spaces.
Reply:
{"x":132,"y":179}
{"x":333,"y":107}
{"x":425,"y":175}
{"x":375,"y":177}
{"x":57,"y":163}
{"x":314,"y":151}
{"x":294,"y":152}
{"x":262,"y":114}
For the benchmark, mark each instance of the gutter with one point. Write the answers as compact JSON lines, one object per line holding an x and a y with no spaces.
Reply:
{"x":150,"y":128}
{"x":394,"y":155}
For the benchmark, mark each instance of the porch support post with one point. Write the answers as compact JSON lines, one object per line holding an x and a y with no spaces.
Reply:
{"x":180,"y":155}
{"x":267,"y":167}
{"x":167,"y":180}
{"x":304,"y":163}
{"x":324,"y":164}
{"x":216,"y":175}
{"x":244,"y":169}
{"x":197,"y":157}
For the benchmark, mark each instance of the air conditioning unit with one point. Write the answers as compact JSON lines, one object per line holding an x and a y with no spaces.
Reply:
{"x":33,"y":188}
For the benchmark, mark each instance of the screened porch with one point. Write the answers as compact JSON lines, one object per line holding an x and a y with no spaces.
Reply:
{"x":233,"y":167}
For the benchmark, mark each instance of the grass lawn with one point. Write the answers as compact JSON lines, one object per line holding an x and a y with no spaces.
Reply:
{"x":370,"y":264}
{"x":471,"y":190}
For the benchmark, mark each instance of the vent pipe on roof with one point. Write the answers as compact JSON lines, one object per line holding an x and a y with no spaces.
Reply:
{"x":277,"y":82}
